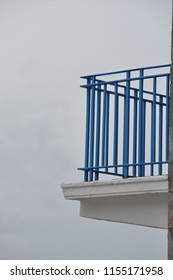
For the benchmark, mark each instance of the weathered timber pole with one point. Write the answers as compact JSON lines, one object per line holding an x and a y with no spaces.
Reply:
{"x":170,"y":166}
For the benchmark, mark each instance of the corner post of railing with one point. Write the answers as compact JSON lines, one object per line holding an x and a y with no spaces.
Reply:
{"x":126,"y":126}
{"x":167,"y":114}
{"x":92,"y":128}
{"x":140,"y":129}
{"x":87,"y":132}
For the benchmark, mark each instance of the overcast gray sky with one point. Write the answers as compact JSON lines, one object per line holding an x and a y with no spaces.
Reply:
{"x":46,"y":45}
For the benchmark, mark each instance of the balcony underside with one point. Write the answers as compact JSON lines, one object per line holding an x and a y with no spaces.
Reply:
{"x":140,"y":201}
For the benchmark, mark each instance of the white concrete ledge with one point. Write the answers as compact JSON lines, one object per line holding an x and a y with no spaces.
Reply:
{"x":140,"y":201}
{"x":116,"y":187}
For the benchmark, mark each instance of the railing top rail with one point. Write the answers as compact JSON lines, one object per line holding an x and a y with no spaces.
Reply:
{"x":125,"y":80}
{"x":125,"y":71}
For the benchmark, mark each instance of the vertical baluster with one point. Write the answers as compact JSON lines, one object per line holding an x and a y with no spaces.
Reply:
{"x":135,"y":131}
{"x":126,"y":126}
{"x":160,"y":133}
{"x":87,"y":134}
{"x":115,"y":148}
{"x":143,"y":135}
{"x":92,"y":128}
{"x":107,"y":132}
{"x":141,"y":74}
{"x":167,"y":116}
{"x":104,"y":125}
{"x":153,"y":126}
{"x":98,"y":131}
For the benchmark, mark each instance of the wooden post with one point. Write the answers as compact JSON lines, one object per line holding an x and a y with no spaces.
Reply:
{"x":170,"y":166}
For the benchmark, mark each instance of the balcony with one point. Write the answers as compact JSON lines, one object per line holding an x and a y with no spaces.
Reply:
{"x":127,"y":123}
{"x":127,"y":135}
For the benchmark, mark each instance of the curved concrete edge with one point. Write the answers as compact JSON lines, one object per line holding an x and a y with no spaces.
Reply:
{"x":116,"y":187}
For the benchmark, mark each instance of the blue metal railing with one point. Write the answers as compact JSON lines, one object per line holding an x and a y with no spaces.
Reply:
{"x":127,"y":122}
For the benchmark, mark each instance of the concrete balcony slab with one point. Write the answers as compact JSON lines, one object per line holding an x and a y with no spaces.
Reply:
{"x":140,"y":201}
